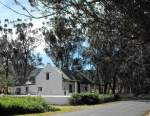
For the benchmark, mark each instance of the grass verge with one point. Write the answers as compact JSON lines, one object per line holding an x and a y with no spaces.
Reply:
{"x":69,"y":108}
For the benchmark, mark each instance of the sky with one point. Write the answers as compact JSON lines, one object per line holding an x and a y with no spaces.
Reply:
{"x":6,"y":13}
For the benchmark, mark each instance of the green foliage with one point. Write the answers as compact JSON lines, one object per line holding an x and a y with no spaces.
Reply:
{"x":106,"y":98}
{"x":4,"y":83}
{"x":20,"y":105}
{"x":90,"y":98}
{"x":84,"y":98}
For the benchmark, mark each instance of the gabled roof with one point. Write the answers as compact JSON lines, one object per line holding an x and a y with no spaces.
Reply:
{"x":76,"y":76}
{"x":68,"y":75}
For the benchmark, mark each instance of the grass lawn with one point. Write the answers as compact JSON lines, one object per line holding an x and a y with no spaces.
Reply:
{"x":64,"y":109}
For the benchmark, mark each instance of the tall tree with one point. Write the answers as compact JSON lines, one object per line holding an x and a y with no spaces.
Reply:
{"x":6,"y":74}
{"x":62,"y":41}
{"x":5,"y":46}
{"x":23,"y":58}
{"x":116,"y":34}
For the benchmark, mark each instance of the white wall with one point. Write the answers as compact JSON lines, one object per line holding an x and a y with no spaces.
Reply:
{"x":32,"y":89}
{"x":59,"y":100}
{"x":12,"y":90}
{"x":53,"y":86}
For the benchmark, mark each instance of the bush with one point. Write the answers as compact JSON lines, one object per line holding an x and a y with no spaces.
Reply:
{"x":117,"y":97}
{"x":90,"y":98}
{"x":20,"y":105}
{"x":106,"y":98}
{"x":84,"y":98}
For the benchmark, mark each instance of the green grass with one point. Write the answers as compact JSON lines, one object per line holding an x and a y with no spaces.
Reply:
{"x":38,"y":107}
{"x":69,"y":108}
{"x":22,"y":105}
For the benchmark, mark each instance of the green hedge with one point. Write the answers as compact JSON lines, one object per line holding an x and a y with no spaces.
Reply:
{"x":84,"y":98}
{"x":106,"y":98}
{"x":90,"y":98}
{"x":21,"y":105}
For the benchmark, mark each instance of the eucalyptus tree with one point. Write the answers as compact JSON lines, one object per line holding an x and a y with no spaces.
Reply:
{"x":6,"y":74}
{"x":23,"y":59}
{"x":116,"y":34}
{"x":5,"y":47}
{"x":59,"y":42}
{"x":139,"y":11}
{"x":17,"y":45}
{"x":110,"y":37}
{"x":64,"y":38}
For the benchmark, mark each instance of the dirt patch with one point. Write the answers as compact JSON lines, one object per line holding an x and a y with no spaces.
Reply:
{"x":147,"y":114}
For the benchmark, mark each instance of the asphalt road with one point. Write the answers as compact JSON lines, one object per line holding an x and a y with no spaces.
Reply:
{"x":122,"y":108}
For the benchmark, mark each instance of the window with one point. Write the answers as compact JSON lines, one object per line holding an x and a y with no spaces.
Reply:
{"x":39,"y":88}
{"x":27,"y":89}
{"x":18,"y":91}
{"x":70,"y":88}
{"x":47,"y":76}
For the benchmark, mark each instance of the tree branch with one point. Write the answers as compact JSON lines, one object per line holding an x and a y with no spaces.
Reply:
{"x":30,"y":16}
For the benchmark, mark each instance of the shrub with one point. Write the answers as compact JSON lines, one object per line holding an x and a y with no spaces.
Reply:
{"x":19,"y":105}
{"x":117,"y":97}
{"x":84,"y":98}
{"x":90,"y":98}
{"x":106,"y":98}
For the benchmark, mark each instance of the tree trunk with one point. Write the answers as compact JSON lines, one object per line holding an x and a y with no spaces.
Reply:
{"x":105,"y":87}
{"x":7,"y":74}
{"x":99,"y":83}
{"x":7,"y":69}
{"x":114,"y":86}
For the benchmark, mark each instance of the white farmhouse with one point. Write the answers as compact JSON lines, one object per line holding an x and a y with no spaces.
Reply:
{"x":53,"y":81}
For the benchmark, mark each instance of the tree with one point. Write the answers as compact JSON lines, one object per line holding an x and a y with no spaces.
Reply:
{"x":17,"y":51}
{"x":62,"y":41}
{"x":5,"y":52}
{"x":139,"y":11}
{"x":111,"y":32}
{"x":116,"y":34}
{"x":23,"y":59}
{"x":5,"y":57}
{"x":111,"y":45}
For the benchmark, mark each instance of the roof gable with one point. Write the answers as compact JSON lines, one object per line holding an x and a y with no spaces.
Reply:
{"x":68,"y":75}
{"x":77,"y":76}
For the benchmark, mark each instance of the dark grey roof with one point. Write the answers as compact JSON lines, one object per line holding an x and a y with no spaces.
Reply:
{"x":76,"y":76}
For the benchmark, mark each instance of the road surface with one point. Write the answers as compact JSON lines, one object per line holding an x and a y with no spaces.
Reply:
{"x":122,"y":108}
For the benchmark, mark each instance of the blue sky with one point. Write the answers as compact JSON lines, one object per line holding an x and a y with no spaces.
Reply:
{"x":6,"y":13}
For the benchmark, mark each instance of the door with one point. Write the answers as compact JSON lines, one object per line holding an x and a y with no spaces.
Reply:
{"x":78,"y":87}
{"x":18,"y":91}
